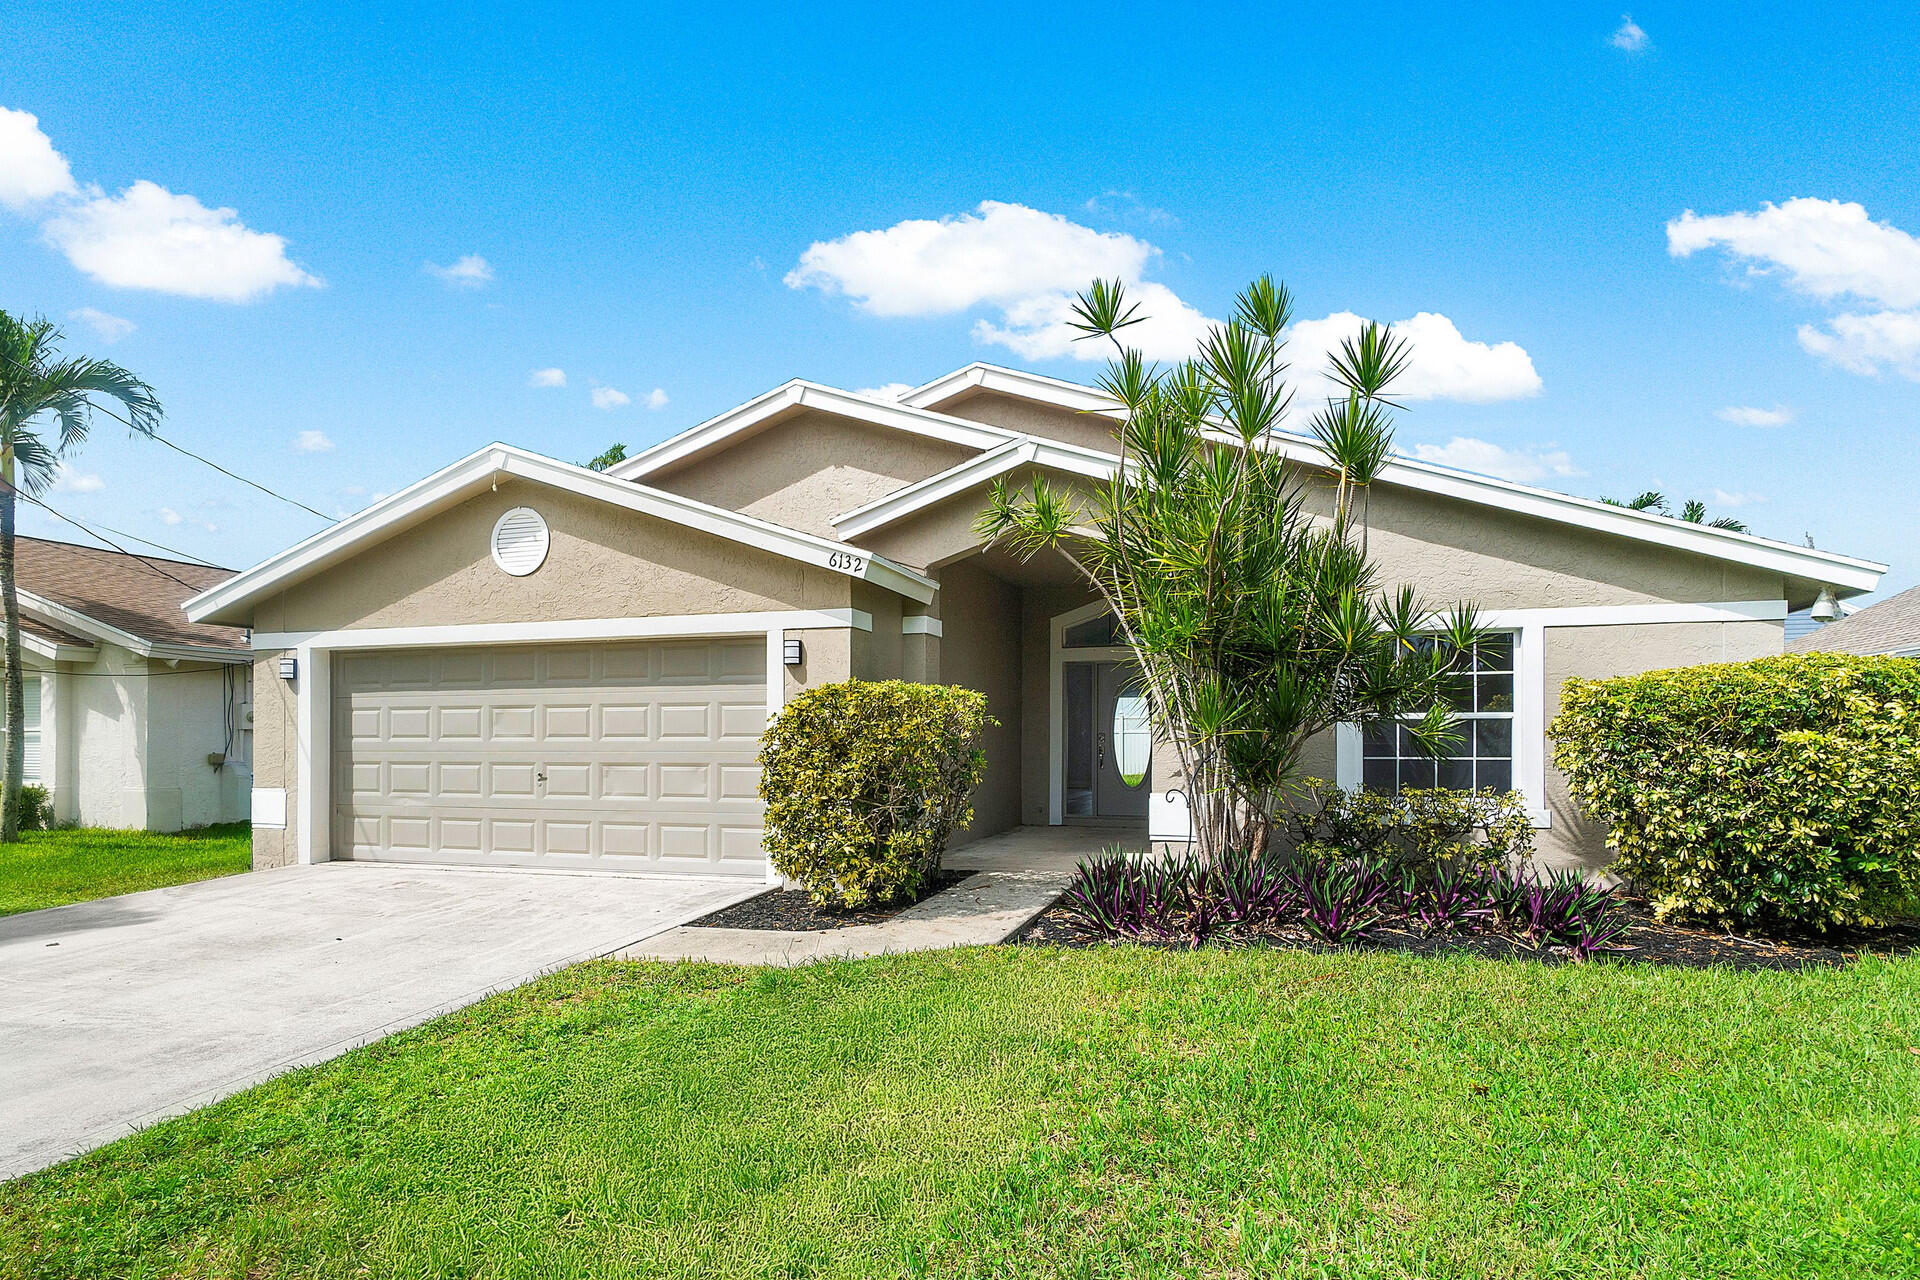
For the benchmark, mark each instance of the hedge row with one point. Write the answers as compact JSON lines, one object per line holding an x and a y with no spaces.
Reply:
{"x":1782,"y":791}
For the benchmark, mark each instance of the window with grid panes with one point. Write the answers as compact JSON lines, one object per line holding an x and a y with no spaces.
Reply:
{"x":1481,"y":696}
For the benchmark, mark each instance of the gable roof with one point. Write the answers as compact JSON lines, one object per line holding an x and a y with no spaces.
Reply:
{"x":1022,"y":451}
{"x":715,"y":433}
{"x":86,"y":594}
{"x":982,"y":376}
{"x":1889,"y":626}
{"x":1848,"y":575}
{"x":464,"y":479}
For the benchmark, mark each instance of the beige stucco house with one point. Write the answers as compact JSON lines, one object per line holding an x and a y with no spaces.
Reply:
{"x":135,"y":717}
{"x":522,"y":662}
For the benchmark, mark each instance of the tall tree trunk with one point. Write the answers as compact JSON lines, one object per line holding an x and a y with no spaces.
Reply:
{"x":16,"y":762}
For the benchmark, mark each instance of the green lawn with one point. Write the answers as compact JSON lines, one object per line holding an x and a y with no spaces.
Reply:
{"x":48,"y":868}
{"x":1014,"y":1112}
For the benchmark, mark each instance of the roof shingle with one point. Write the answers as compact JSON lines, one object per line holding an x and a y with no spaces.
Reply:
{"x":1891,"y":626}
{"x":123,"y":591}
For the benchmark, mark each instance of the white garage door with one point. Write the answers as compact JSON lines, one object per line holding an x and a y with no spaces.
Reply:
{"x":637,"y":756}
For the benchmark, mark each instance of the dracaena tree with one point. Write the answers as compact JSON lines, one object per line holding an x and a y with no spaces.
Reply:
{"x":46,"y":408}
{"x":1239,"y":577}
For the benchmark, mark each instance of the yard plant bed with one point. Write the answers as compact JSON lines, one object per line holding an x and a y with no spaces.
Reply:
{"x":1646,"y":941}
{"x":793,"y":910}
{"x":1029,"y":1111}
{"x":52,"y":868}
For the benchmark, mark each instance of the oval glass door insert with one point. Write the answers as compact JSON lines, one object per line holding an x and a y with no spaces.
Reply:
{"x":1132,"y":740}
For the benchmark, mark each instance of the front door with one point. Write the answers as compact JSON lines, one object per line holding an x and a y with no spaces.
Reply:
{"x":1109,"y":742}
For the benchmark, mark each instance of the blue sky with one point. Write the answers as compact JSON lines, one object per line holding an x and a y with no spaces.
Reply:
{"x":662,"y":202}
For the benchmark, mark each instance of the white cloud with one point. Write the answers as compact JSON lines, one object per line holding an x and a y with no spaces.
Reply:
{"x":149,"y":238}
{"x":1628,"y":35}
{"x":470,"y":272}
{"x":608,"y":398}
{"x":657,"y":398}
{"x":1747,"y":416}
{"x":1444,"y":364}
{"x":1721,"y":498}
{"x":30,"y":169}
{"x":886,"y":393}
{"x":169,"y":516}
{"x":1826,"y":248}
{"x":67,"y":480}
{"x":107,"y":328}
{"x":1868,"y":344}
{"x":1528,"y":465}
{"x":548,"y":378}
{"x":1040,"y":329}
{"x":312,"y":442}
{"x":1025,"y":263}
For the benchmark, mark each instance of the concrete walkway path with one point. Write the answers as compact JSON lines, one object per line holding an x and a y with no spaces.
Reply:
{"x":123,"y":1011}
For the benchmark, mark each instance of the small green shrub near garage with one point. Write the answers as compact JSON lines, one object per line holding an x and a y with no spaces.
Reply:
{"x":866,"y":782}
{"x":1782,"y":792}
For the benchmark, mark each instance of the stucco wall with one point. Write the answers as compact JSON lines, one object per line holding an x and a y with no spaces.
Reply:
{"x":125,"y":742}
{"x":604,"y":562}
{"x":1596,"y":653}
{"x":809,"y":467}
{"x":1452,"y":550}
{"x":1088,"y":430}
{"x":980,"y":649}
{"x":274,"y":718}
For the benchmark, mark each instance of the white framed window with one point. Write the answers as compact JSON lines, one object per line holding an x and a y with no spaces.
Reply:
{"x":1481,"y":696}
{"x":30,"y":687}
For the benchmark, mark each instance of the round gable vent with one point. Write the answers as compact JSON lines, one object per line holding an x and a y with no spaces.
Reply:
{"x":520,"y":541}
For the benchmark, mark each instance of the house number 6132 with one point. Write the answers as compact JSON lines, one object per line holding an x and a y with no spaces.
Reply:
{"x":850,"y":563}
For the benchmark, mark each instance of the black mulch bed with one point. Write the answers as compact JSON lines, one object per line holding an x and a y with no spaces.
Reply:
{"x":1646,"y":942}
{"x":793,"y":910}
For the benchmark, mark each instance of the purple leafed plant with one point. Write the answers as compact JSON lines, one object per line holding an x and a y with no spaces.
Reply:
{"x":1131,"y":896}
{"x":1340,"y":898}
{"x":1248,"y":888}
{"x":1563,"y":909}
{"x":1454,"y":899}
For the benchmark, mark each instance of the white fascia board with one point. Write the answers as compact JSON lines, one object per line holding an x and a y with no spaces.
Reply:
{"x":475,"y":472}
{"x":73,"y":620}
{"x":1014,"y":382}
{"x":800,"y":394}
{"x":54,"y":650}
{"x":1026,"y":451}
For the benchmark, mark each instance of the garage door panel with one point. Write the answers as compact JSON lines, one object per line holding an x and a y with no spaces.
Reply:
{"x":632,"y":755}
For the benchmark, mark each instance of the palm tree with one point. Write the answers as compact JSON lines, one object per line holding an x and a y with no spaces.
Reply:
{"x":1693,"y":512}
{"x":37,"y":385}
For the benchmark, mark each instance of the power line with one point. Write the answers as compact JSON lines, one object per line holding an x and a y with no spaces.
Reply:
{"x":161,"y":546}
{"x":242,"y":479}
{"x":109,"y":541}
{"x":154,"y":435}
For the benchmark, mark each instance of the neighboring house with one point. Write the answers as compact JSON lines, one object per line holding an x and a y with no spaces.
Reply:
{"x":1802,"y":622}
{"x":136,"y":717}
{"x":519,"y":661}
{"x":1890,"y":626}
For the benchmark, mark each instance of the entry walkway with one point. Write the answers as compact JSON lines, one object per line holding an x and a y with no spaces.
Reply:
{"x":1021,"y":872}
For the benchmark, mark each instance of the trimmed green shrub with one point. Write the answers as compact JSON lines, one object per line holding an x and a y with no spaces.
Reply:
{"x":1778,"y":792}
{"x":865,"y":782}
{"x":1417,"y":830}
{"x":36,"y":807}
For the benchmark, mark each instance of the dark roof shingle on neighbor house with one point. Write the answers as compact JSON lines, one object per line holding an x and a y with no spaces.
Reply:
{"x":1891,"y":626}
{"x":131,"y":593}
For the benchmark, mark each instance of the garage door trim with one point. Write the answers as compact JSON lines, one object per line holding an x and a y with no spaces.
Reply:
{"x":313,"y":691}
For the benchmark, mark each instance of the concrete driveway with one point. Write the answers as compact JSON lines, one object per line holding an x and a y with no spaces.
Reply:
{"x":121,"y":1012}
